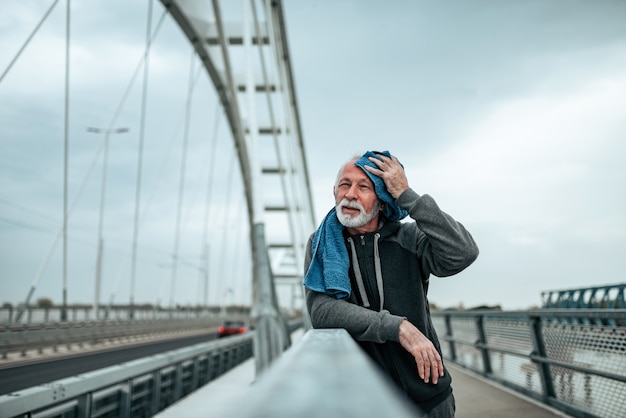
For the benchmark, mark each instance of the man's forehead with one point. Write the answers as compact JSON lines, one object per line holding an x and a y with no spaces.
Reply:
{"x":354,"y":173}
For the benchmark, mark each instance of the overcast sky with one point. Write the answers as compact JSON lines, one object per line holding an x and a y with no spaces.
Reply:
{"x":508,"y":113}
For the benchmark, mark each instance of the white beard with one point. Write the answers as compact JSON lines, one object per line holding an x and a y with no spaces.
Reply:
{"x":361,"y":219}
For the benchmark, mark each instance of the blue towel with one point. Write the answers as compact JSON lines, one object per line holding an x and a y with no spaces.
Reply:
{"x":328,"y":271}
{"x":391,"y":210}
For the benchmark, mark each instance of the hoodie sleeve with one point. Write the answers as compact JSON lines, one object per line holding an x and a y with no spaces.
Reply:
{"x":444,"y":245}
{"x":363,"y":324}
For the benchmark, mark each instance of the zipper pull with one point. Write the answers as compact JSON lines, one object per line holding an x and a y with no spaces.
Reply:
{"x":362,"y":239}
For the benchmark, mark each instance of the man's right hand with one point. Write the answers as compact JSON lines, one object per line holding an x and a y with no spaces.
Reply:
{"x":428,"y":360}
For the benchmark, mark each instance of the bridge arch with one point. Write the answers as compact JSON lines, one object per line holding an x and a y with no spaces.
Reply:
{"x":261,"y":31}
{"x":244,"y":52}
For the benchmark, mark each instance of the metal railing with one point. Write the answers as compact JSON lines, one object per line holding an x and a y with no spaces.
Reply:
{"x":139,"y":388}
{"x":317,"y":377}
{"x":24,"y":338}
{"x":38,"y":315}
{"x":611,"y":296}
{"x":572,"y":360}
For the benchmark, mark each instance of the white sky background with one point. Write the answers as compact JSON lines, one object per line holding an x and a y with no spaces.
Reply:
{"x":510,"y":114}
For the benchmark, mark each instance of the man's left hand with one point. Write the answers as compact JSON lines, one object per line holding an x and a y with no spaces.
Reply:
{"x":392,"y":173}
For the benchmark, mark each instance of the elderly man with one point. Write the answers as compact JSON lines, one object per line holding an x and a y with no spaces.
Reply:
{"x":368,"y":273}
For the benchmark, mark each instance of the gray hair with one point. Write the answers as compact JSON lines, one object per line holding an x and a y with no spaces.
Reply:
{"x":351,"y":160}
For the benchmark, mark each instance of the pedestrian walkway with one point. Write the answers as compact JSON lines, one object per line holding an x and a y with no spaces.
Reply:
{"x":476,"y":397}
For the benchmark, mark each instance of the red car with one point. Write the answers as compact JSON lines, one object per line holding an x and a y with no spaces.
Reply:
{"x":231,"y":328}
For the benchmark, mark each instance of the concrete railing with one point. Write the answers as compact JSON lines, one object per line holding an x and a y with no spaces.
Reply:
{"x":325,"y":374}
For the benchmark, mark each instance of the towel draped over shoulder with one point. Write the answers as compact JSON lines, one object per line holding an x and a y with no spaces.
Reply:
{"x":328,"y":271}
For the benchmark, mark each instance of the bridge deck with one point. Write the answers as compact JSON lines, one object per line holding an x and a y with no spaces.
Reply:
{"x":479,"y":398}
{"x":475,"y":397}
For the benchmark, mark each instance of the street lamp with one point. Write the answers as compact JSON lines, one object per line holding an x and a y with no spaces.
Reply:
{"x":107,"y":131}
{"x":98,"y":279}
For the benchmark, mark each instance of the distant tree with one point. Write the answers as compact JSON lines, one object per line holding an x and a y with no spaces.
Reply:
{"x":45,"y":303}
{"x":7,"y":305}
{"x":485,"y":307}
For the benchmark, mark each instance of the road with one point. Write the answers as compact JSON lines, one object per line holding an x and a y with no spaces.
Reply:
{"x":24,"y":376}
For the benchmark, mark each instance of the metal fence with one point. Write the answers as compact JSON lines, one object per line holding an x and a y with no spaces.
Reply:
{"x":139,"y":388}
{"x":38,"y":315}
{"x":612,"y":296}
{"x":573,"y":360}
{"x":52,"y":335}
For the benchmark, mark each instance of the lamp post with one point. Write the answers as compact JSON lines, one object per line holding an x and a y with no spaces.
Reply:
{"x":98,"y":280}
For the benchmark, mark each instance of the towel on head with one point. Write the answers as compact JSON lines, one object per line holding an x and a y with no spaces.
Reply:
{"x":391,"y":210}
{"x":328,"y":271}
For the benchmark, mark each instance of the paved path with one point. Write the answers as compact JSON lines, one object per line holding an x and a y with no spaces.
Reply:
{"x":477,"y":397}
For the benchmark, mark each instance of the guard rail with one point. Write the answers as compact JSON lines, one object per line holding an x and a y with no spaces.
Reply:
{"x":571,"y":359}
{"x":138,"y":388}
{"x":23,"y":338}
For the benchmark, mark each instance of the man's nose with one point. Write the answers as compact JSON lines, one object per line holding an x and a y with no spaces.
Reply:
{"x":351,"y":192}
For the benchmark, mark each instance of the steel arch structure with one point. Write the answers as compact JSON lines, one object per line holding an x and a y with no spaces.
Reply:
{"x":259,"y":106}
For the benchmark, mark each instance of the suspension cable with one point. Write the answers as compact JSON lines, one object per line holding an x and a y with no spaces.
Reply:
{"x":6,"y":71}
{"x":142,"y":124}
{"x":44,"y":265}
{"x":151,"y":194}
{"x":224,"y":222}
{"x":207,"y":205}
{"x":181,"y":180}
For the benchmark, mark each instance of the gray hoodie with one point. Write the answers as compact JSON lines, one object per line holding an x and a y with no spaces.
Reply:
{"x":392,"y":265}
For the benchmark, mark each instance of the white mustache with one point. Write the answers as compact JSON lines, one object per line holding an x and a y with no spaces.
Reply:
{"x":351,"y":204}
